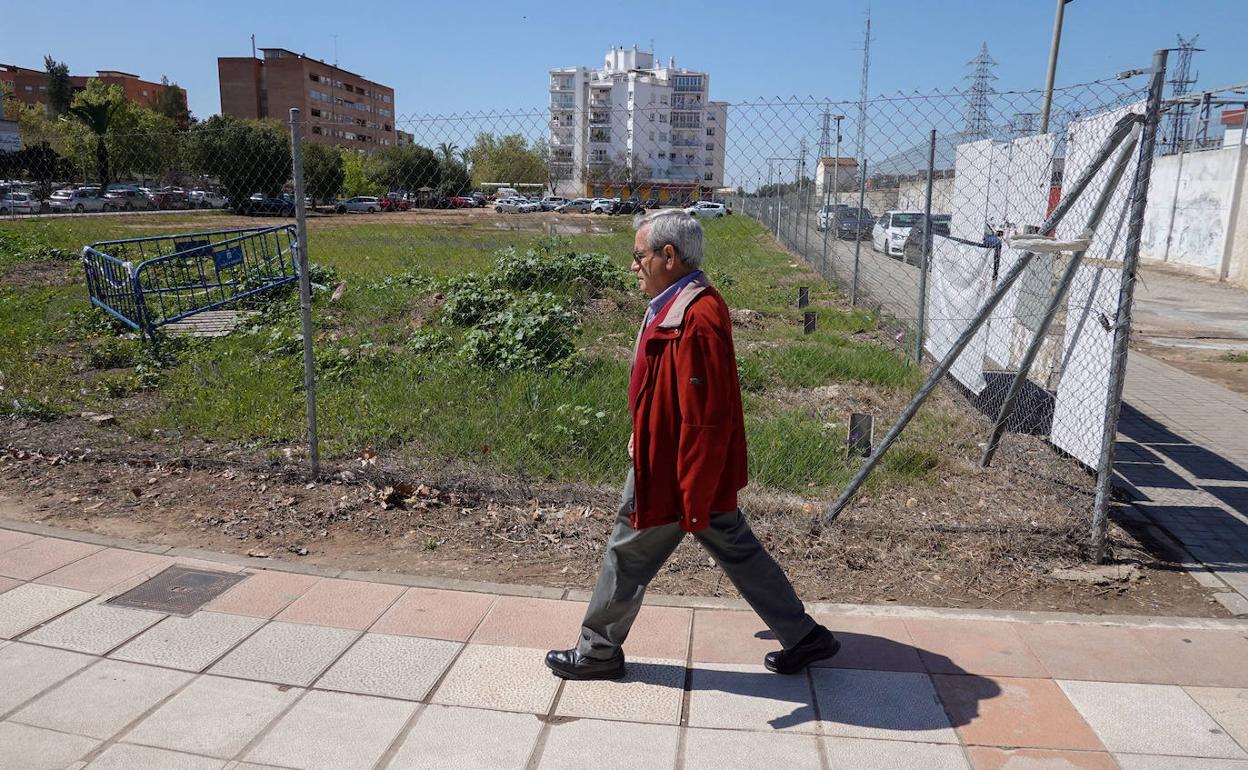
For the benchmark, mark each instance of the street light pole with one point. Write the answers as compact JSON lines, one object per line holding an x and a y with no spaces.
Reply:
{"x":1048,"y":83}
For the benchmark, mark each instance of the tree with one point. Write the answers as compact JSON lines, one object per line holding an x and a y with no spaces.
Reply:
{"x":170,"y":101}
{"x":246,"y":156}
{"x":96,"y":110}
{"x":455,"y":179}
{"x":60,"y":91}
{"x":409,"y":167}
{"x":323,"y":173}
{"x":360,"y":171}
{"x":447,"y":150}
{"x":509,"y":159}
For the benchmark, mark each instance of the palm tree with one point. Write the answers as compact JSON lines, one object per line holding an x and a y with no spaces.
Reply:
{"x":448,"y":150}
{"x":98,"y":116}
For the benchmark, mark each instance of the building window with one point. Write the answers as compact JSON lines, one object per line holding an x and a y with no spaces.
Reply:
{"x":662,"y":156}
{"x":710,"y":131}
{"x":389,"y":127}
{"x":662,"y":136}
{"x":710,"y":118}
{"x":316,"y":129}
{"x":662,"y":117}
{"x":315,"y":78}
{"x":710,"y":146}
{"x":316,"y":113}
{"x":652,"y":136}
{"x":663,"y":99}
{"x":651,"y":114}
{"x":708,"y":177}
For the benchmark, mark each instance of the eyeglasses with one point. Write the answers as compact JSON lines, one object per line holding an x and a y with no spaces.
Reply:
{"x":639,"y":255}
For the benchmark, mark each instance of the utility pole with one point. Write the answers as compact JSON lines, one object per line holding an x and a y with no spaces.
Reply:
{"x":862,"y":91}
{"x":1048,"y":81}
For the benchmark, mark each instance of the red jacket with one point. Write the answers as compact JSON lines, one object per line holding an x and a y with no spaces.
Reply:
{"x":688,"y":431}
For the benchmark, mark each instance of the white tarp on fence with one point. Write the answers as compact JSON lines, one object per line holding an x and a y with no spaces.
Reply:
{"x":972,"y":178}
{"x":957,"y":286}
{"x":1083,"y":392}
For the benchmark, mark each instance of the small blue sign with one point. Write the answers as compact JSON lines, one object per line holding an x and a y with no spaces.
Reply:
{"x":228,"y":257}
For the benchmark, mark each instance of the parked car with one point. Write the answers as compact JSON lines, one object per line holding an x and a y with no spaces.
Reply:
{"x":479,"y":199}
{"x":578,"y":206}
{"x":827,"y":214}
{"x":602,"y":205}
{"x":360,"y":204}
{"x":707,"y":210}
{"x":169,"y":199}
{"x":890,"y":231}
{"x":552,"y":202}
{"x":206,"y":199}
{"x":630,"y":206}
{"x":941,"y":223}
{"x":77,"y":201}
{"x":394,"y":202}
{"x":852,"y":223}
{"x":19,"y":203}
{"x":515,"y":205}
{"x":126,"y":199}
{"x":262,"y":205}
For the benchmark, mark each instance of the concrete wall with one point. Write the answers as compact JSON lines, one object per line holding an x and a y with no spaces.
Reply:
{"x":1188,"y":219}
{"x":912,"y":193}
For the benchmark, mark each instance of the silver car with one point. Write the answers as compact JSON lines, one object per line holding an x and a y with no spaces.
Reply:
{"x":360,"y":204}
{"x":76,"y":201}
{"x":580,"y":206}
{"x":19,"y":203}
{"x":515,"y":206}
{"x":207,"y":199}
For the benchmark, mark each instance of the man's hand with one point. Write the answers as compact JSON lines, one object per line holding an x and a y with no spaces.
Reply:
{"x":630,"y":446}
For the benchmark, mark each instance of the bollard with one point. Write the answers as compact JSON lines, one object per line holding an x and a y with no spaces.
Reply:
{"x":803,"y":296}
{"x":808,"y":323}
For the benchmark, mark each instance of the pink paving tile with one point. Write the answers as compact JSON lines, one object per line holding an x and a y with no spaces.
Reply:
{"x":985,"y":758}
{"x":1020,"y":713}
{"x":435,"y":614}
{"x":263,"y":594}
{"x":1199,"y":658}
{"x":726,"y":636}
{"x":974,"y":647}
{"x":352,"y":604}
{"x":1101,"y":653}
{"x":542,"y":624}
{"x":7,"y":583}
{"x":10,"y":539}
{"x":877,"y":644}
{"x":27,"y":562}
{"x":660,"y":632}
{"x":105,"y":569}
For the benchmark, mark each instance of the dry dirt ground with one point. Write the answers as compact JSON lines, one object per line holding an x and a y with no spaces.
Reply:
{"x":403,"y":514}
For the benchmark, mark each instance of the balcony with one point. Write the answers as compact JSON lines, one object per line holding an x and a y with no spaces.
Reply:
{"x":562,"y":102}
{"x":561,"y":85}
{"x":685,"y":143}
{"x":596,"y":101}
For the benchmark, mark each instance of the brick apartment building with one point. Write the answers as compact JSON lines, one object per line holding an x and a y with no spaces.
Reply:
{"x":339,"y":107}
{"x":30,"y":86}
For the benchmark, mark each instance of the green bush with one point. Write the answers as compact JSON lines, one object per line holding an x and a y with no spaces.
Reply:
{"x":429,"y":342}
{"x":533,"y":331}
{"x":551,"y":264}
{"x":471,"y":297}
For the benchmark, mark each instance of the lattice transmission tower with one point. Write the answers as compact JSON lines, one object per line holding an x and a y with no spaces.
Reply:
{"x":1180,"y":84}
{"x":977,"y":122}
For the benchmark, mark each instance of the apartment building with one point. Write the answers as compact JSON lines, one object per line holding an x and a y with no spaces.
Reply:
{"x":30,"y":86}
{"x":339,"y":107}
{"x":635,"y":124}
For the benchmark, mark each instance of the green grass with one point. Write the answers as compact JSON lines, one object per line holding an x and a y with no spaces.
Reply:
{"x":375,"y":389}
{"x":1235,"y":358}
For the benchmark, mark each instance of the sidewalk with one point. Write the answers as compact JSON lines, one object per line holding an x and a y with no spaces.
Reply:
{"x":305,"y":671}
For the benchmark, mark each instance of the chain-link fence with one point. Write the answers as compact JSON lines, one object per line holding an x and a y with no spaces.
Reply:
{"x":472,"y":300}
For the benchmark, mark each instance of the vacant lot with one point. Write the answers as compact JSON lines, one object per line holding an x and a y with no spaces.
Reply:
{"x":485,"y":357}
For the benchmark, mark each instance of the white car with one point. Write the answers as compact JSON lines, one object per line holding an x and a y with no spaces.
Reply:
{"x":603,"y":205}
{"x":19,"y":203}
{"x":579,"y":205}
{"x":552,"y":202}
{"x":891,"y":229}
{"x":360,"y":204}
{"x":515,"y":206}
{"x":707,"y":209}
{"x":76,"y":201}
{"x":207,"y":199}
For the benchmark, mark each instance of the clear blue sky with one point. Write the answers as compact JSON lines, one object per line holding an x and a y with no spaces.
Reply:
{"x":445,"y":57}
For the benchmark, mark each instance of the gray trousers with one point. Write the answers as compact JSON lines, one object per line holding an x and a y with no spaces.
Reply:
{"x":633,"y":557}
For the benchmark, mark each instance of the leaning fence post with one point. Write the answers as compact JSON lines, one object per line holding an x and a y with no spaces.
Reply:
{"x":1122,"y":321}
{"x":926,"y":257}
{"x":305,"y":287}
{"x":862,"y":202}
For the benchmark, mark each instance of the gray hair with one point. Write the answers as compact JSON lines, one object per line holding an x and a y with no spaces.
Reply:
{"x":677,"y":228}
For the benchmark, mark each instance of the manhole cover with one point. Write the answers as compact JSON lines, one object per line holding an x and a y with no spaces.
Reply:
{"x":177,"y":590}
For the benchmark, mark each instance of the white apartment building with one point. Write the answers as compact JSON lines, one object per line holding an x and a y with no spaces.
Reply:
{"x":632,"y":123}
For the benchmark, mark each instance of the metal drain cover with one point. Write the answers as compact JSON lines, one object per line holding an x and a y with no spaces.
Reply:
{"x":177,"y":590}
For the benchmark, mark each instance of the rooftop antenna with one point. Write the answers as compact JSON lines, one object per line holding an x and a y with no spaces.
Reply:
{"x":253,"y":46}
{"x":1180,"y":84}
{"x":335,"y":37}
{"x":978,"y":123}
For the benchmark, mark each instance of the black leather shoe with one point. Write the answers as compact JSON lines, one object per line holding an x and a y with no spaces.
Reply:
{"x":819,"y":644}
{"x":570,"y":664}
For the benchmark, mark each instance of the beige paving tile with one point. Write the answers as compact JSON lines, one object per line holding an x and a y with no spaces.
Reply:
{"x":350,"y":604}
{"x":103,"y":569}
{"x":896,"y":705}
{"x":10,"y":539}
{"x":121,"y":756}
{"x":540,"y":624}
{"x":214,"y":716}
{"x":858,"y":753}
{"x":392,"y":666}
{"x":1228,"y":706}
{"x":189,"y":643}
{"x":725,"y":636}
{"x":500,"y":740}
{"x":504,"y":678}
{"x":286,"y":653}
{"x":613,"y":745}
{"x":1006,"y":711}
{"x":745,"y":697}
{"x":721,"y":749}
{"x":27,"y":670}
{"x":1145,"y":762}
{"x":974,"y":647}
{"x":102,"y":699}
{"x":434,"y":614}
{"x":262,"y":594}
{"x":30,"y":748}
{"x":660,"y":632}
{"x":30,"y":604}
{"x":1149,"y":719}
{"x":876,"y":644}
{"x":333,"y":731}
{"x":93,"y":628}
{"x":38,"y":557}
{"x":651,"y":691}
{"x":1198,"y":657}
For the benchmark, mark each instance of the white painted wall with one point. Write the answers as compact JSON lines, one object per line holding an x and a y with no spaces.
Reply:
{"x":1188,"y":215}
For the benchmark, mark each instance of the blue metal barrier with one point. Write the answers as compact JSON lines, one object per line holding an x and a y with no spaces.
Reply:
{"x":150,"y":282}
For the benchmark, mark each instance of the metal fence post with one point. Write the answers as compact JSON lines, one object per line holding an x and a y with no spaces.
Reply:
{"x":921,"y":318}
{"x":1126,"y":292}
{"x":305,"y":287}
{"x":862,"y":202}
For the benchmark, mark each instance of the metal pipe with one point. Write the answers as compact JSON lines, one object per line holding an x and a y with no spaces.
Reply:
{"x":1033,"y":349}
{"x":1126,"y":292}
{"x":1052,"y":74}
{"x":927,"y":249}
{"x":862,"y":199}
{"x":305,"y":288}
{"x":1058,"y":214}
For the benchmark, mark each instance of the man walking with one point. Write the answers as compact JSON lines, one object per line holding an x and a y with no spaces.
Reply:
{"x":688,"y":454}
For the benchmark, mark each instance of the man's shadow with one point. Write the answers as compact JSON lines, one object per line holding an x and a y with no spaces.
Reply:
{"x":872,"y":682}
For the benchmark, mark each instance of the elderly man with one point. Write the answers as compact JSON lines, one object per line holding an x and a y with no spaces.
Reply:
{"x":688,"y":454}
